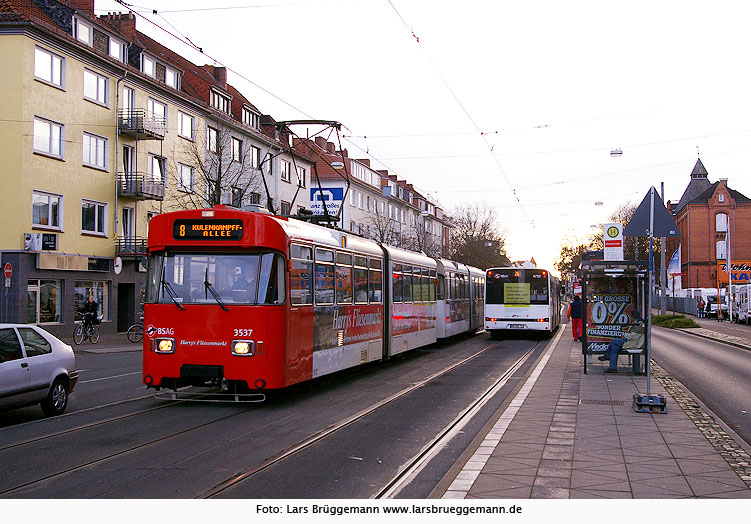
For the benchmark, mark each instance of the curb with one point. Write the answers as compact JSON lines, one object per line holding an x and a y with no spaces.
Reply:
{"x":717,"y":337}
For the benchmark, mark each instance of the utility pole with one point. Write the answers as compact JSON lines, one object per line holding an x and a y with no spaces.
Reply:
{"x":663,"y":270}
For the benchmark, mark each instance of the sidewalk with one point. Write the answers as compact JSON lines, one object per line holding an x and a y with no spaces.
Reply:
{"x":571,"y":435}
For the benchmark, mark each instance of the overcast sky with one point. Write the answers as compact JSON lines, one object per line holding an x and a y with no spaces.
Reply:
{"x":517,"y":104}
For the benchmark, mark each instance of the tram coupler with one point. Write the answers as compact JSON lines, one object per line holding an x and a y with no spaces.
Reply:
{"x":649,"y":404}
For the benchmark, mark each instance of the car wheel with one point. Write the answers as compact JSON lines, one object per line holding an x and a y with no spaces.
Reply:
{"x":57,"y":398}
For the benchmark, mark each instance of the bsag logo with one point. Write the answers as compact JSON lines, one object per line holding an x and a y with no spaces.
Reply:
{"x":151,"y":331}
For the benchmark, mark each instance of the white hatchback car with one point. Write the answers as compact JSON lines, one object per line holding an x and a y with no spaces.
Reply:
{"x":35,"y":368}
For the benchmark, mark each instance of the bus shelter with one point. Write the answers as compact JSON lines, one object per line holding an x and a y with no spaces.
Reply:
{"x":615,"y":298}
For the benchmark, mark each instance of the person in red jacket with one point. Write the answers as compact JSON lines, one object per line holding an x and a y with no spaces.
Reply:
{"x":575,"y":315}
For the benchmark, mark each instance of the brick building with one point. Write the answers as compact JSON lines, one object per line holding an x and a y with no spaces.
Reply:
{"x":709,"y":215}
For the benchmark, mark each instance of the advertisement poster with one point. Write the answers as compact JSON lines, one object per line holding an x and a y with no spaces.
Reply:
{"x":342,"y":325}
{"x":741,"y":270}
{"x":608,"y":317}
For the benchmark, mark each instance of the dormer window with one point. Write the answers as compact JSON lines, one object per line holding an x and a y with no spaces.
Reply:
{"x":220,"y":102}
{"x":251,"y":119}
{"x":117,"y":50}
{"x":148,"y":66}
{"x":171,"y":78}
{"x":83,"y":32}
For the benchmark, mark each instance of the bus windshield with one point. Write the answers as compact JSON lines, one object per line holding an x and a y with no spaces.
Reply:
{"x":200,"y":278}
{"x":517,"y":287}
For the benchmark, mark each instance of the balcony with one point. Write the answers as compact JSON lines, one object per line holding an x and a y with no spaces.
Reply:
{"x":130,"y":246}
{"x":141,"y":186}
{"x":141,"y":124}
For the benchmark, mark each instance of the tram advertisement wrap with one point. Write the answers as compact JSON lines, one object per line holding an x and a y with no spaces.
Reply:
{"x":344,"y":325}
{"x":410,"y":318}
{"x":607,"y":318}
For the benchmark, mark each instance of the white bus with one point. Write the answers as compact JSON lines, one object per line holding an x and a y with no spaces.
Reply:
{"x":519,"y":299}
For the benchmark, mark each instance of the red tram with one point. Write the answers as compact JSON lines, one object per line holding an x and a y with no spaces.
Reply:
{"x":252,"y":301}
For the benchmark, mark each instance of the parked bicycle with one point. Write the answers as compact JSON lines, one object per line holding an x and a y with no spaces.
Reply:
{"x":135,"y":332}
{"x":86,"y":330}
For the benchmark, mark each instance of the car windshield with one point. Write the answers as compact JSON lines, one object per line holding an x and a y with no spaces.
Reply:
{"x":197,"y":278}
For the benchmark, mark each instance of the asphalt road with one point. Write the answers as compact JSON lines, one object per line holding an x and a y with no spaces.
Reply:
{"x":117,"y":441}
{"x":717,"y":374}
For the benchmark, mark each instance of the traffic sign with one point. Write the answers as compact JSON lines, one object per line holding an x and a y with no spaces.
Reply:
{"x":8,"y":270}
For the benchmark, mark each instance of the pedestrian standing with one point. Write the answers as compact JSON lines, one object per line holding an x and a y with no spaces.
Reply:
{"x":700,"y":307}
{"x":575,"y":315}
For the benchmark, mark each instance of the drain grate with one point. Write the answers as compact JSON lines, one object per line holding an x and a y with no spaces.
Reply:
{"x":602,"y":402}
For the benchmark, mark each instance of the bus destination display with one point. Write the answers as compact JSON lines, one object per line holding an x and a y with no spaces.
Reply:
{"x":208,"y":229}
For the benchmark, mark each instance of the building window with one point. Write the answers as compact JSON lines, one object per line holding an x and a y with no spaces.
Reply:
{"x":172,"y":78}
{"x":219,"y":102}
{"x":721,"y":222}
{"x":48,"y":67}
{"x":93,"y":217}
{"x":98,"y":290}
{"x":212,"y":139}
{"x":301,"y":176}
{"x":285,"y":169}
{"x":721,"y":250}
{"x":95,"y":86}
{"x":237,"y":197}
{"x":148,"y":66}
{"x":186,"y":177}
{"x":237,"y":150}
{"x":255,"y":199}
{"x":83,"y":32}
{"x":185,"y":125}
{"x":117,"y":50}
{"x":251,"y":119}
{"x":157,"y":168}
{"x":94,"y":151}
{"x":158,"y":110}
{"x":46,"y":210}
{"x":45,"y":301}
{"x":48,"y":137}
{"x":255,"y":157}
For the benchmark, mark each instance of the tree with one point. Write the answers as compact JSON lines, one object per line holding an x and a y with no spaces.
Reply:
{"x":385,"y":229}
{"x":217,"y":167}
{"x":475,"y":238}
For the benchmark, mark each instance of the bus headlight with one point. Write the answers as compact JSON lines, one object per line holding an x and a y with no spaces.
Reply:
{"x":243,"y":348}
{"x":165,"y":345}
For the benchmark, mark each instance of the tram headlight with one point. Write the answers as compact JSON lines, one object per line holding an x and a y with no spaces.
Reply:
{"x":243,"y":348}
{"x":165,"y":345}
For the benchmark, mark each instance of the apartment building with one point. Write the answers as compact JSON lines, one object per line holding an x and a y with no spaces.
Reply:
{"x":376,"y":204}
{"x":102,"y":128}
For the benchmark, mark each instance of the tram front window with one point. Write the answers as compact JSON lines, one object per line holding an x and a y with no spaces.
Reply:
{"x":197,"y":278}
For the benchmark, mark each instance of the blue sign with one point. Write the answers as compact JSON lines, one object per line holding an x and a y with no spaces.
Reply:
{"x":331,"y":197}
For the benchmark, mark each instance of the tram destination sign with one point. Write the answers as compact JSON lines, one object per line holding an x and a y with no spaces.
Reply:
{"x":208,"y":229}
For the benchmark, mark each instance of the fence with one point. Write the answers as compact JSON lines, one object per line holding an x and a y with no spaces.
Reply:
{"x":685,"y":305}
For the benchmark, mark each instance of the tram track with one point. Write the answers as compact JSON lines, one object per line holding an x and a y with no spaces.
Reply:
{"x":412,"y":465}
{"x":34,"y":484}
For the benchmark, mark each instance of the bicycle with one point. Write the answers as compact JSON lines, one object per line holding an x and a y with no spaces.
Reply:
{"x":86,"y":330}
{"x":135,"y":332}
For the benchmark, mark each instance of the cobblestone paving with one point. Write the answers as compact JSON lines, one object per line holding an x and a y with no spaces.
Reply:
{"x":725,"y":445}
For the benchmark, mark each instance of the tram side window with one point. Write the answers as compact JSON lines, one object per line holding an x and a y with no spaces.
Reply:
{"x":361,"y":279}
{"x":431,"y":285}
{"x":375,"y":278}
{"x":416,"y":285}
{"x":324,"y":276}
{"x":301,"y":275}
{"x":407,"y":283}
{"x":343,"y":278}
{"x":398,"y":283}
{"x":441,"y":291}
